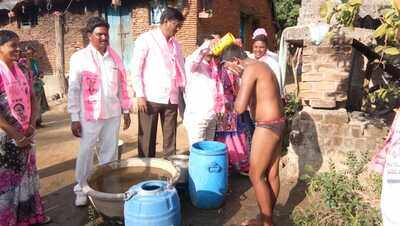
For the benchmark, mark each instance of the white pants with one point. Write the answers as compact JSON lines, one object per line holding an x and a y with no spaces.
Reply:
{"x":390,"y":202}
{"x":200,"y":129}
{"x":103,"y":133}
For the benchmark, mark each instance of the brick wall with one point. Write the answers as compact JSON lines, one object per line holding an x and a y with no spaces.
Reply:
{"x":324,"y":79}
{"x":186,"y":36}
{"x":42,"y":38}
{"x":226,"y":18}
{"x":321,"y":136}
{"x":309,"y":12}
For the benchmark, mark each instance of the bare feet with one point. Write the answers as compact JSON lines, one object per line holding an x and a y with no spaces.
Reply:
{"x":252,"y":222}
{"x":256,"y":222}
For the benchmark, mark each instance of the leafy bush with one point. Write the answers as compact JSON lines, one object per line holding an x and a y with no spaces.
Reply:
{"x":382,"y":100}
{"x":293,"y":105}
{"x":287,"y":12}
{"x":339,"y":197}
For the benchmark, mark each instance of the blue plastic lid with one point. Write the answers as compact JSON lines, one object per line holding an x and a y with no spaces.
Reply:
{"x":209,"y":148}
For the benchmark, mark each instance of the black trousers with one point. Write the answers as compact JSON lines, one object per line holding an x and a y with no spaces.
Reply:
{"x":148,"y":129}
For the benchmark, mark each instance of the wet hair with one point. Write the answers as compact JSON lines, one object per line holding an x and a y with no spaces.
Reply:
{"x":6,"y":36}
{"x":94,"y":22}
{"x":261,"y":38}
{"x":171,"y":14}
{"x":233,"y":51}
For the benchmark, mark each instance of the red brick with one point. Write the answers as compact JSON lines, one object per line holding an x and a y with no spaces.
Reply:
{"x":311,"y":77}
{"x":325,"y":104}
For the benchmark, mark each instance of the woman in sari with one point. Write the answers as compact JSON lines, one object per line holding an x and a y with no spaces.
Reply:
{"x":38,"y":84}
{"x":230,"y":128}
{"x":20,"y":202}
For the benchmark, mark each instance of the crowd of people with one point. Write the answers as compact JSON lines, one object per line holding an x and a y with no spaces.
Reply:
{"x":234,"y":98}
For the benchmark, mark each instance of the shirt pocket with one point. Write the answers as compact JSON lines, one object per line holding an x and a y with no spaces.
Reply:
{"x":112,"y":80}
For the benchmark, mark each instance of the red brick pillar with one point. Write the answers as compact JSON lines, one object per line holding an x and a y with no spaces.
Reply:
{"x":325,"y":77}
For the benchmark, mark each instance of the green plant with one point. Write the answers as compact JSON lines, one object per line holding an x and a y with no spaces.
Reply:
{"x":343,"y":14}
{"x":389,"y":30}
{"x":340,"y":197}
{"x":293,"y":105}
{"x":382,"y":100}
{"x":287,"y":12}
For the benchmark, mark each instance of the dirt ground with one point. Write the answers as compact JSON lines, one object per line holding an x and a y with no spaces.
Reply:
{"x":56,"y":153}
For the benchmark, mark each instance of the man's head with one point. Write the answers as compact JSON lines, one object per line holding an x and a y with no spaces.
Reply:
{"x":171,"y":21}
{"x":216,"y":35}
{"x":97,"y":29}
{"x":232,"y":59}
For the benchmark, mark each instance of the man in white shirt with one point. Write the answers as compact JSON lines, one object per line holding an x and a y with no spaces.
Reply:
{"x":158,"y":74}
{"x":97,"y":95}
{"x":201,"y":93}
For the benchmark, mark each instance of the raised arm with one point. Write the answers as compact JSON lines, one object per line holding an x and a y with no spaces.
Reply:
{"x":246,"y":89}
{"x":197,"y":57}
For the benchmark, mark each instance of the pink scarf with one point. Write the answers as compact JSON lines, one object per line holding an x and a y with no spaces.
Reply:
{"x":219,"y":99}
{"x":379,"y":160}
{"x":175,"y":57}
{"x":18,"y":93}
{"x":91,"y":83}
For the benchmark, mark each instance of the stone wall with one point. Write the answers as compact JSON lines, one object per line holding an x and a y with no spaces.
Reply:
{"x":319,"y":136}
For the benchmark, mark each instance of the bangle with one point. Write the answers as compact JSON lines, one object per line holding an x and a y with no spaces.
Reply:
{"x":21,"y":140}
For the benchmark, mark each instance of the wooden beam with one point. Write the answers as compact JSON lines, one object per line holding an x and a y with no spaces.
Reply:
{"x":60,"y":59}
{"x":372,"y":55}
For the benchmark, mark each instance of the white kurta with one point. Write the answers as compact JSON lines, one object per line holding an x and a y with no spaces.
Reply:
{"x":102,"y":132}
{"x":200,"y":98}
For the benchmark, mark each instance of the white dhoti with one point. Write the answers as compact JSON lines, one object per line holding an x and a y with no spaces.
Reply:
{"x":101,"y":133}
{"x":200,"y":129}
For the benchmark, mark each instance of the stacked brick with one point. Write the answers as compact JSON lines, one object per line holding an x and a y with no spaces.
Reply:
{"x":325,"y":77}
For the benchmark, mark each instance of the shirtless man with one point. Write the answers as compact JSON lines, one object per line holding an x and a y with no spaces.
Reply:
{"x":260,"y":90}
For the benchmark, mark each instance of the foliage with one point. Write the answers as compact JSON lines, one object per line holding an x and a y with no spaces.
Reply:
{"x":389,"y":30}
{"x":383,"y":100}
{"x":293,"y":105}
{"x":340,"y":197}
{"x":345,"y":12}
{"x":287,"y":12}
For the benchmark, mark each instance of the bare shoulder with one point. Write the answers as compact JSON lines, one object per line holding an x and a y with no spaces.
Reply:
{"x":258,"y":68}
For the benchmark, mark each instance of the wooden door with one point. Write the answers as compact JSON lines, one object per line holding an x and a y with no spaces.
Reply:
{"x":121,"y":34}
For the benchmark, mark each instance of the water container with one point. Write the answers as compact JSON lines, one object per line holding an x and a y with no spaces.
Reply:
{"x":208,"y":174}
{"x":152,"y":203}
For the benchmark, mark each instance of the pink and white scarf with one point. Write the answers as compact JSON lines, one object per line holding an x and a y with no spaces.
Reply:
{"x":18,"y":93}
{"x":379,"y":160}
{"x":91,"y":82}
{"x":176,"y":60}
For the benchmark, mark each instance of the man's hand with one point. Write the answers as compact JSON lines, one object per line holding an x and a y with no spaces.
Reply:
{"x":141,"y":104}
{"x":127,"y":121}
{"x":76,"y":128}
{"x":23,"y":142}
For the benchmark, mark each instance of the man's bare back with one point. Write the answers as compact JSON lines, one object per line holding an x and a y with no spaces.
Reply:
{"x":260,"y":90}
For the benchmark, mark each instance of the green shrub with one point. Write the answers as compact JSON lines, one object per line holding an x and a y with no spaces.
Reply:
{"x":339,"y":197}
